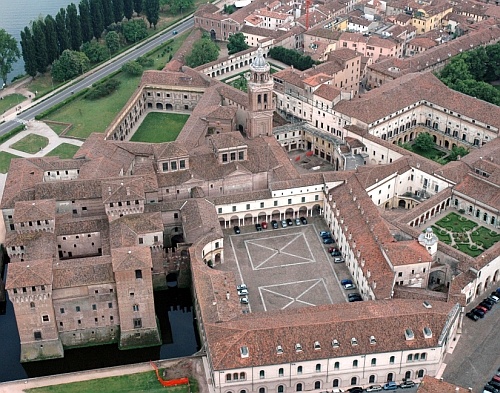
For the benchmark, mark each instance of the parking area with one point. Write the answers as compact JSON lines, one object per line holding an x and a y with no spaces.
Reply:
{"x":286,"y":267}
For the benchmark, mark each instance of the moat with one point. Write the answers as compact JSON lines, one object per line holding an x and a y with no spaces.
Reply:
{"x":179,"y":336}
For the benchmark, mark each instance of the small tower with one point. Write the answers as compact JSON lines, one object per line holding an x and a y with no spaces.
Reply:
{"x":260,"y":98}
{"x":429,"y":240}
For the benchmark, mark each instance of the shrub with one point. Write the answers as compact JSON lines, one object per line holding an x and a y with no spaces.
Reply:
{"x":103,"y":89}
{"x":132,"y":68}
{"x":145,"y":61}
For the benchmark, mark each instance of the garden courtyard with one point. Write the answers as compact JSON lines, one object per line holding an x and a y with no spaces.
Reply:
{"x":465,"y":235}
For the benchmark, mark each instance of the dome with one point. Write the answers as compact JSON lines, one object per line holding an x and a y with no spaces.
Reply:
{"x":259,"y":62}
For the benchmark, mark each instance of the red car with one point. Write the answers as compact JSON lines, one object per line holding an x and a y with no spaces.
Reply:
{"x":264,"y":225}
{"x":484,"y":309}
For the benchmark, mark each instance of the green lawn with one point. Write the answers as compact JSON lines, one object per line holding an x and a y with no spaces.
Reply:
{"x":10,"y":101}
{"x":131,"y":383}
{"x":442,"y":235}
{"x":456,"y":223}
{"x":5,"y":161}
{"x":64,"y":150}
{"x":160,"y":127}
{"x":485,"y":237}
{"x":57,"y":128}
{"x":432,"y":154}
{"x":31,"y":143}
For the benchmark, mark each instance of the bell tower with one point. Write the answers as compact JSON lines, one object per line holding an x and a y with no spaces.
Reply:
{"x":260,"y":98}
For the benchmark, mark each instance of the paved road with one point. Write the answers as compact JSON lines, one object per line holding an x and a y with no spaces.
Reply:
{"x":95,"y":75}
{"x":477,"y":354}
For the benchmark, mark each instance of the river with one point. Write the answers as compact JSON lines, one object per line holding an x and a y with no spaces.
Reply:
{"x":173,"y":309}
{"x":15,"y":15}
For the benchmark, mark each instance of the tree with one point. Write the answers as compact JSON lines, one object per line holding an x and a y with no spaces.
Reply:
{"x":152,"y":11}
{"x":95,"y":51}
{"x":118,"y":10}
{"x":138,"y":6}
{"x":73,"y":27}
{"x":236,"y":43}
{"x":63,"y":42}
{"x":97,"y":18}
{"x":107,"y":12}
{"x":457,"y":151}
{"x":134,"y":30}
{"x":40,"y":46}
{"x":51,"y":39}
{"x":9,"y":54}
{"x":204,"y":51}
{"x":113,"y":41}
{"x":85,"y":21}
{"x":128,"y":8}
{"x":176,"y":6}
{"x":132,"y":68}
{"x":424,"y":141}
{"x":69,"y":65}
{"x":28,"y":50}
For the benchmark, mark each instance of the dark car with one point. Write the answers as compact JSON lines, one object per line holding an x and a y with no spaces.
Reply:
{"x":479,"y":313}
{"x":354,"y":297}
{"x":174,"y":32}
{"x":258,"y":227}
{"x":490,"y":389}
{"x":345,"y":281}
{"x":407,"y":384}
{"x":237,"y":230}
{"x":486,"y":305}
{"x":355,"y":389}
{"x":289,"y":222}
{"x":336,"y":253}
{"x":324,"y":234}
{"x":482,"y":308}
{"x":328,"y":240}
{"x":303,"y":220}
{"x":472,"y":316}
{"x":488,"y":300}
{"x":494,"y":383}
{"x":274,"y":224}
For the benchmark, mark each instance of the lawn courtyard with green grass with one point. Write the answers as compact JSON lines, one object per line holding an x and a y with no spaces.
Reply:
{"x":464,"y":234}
{"x":160,"y":127}
{"x":31,"y":143}
{"x":10,"y":101}
{"x":64,"y":150}
{"x":5,"y":161}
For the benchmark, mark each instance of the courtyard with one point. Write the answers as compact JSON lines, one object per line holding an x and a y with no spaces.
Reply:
{"x":464,"y":234}
{"x":285,"y":268}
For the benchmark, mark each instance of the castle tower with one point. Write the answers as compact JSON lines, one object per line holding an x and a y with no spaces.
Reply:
{"x":260,"y":97}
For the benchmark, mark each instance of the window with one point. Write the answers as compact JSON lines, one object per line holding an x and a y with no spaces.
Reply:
{"x":336,"y":366}
{"x":165,"y":168}
{"x":303,"y":199}
{"x":135,"y":307}
{"x":182,"y":164}
{"x":281,"y":389}
{"x":77,"y":308}
{"x":61,"y":310}
{"x":262,"y":205}
{"x":281,"y":372}
{"x":45,"y":318}
{"x":224,"y":157}
{"x":420,"y":373}
{"x":336,"y":383}
{"x":262,"y":390}
{"x":233,"y":156}
{"x":392,"y":359}
{"x":317,"y":385}
{"x":173,"y":165}
{"x":110,"y":305}
{"x":423,"y":356}
{"x":241,"y":155}
{"x":228,"y":377}
{"x":354,"y":380}
{"x":138,"y":274}
{"x":37,"y":335}
{"x":94,"y":307}
{"x":32,"y":304}
{"x":318,"y":368}
{"x":262,"y":374}
{"x":298,"y":388}
{"x":289,"y":201}
{"x":409,"y":358}
{"x":371,"y":379}
{"x":243,"y":377}
{"x":137,"y":323}
{"x":299,"y":370}
{"x":354,"y":363}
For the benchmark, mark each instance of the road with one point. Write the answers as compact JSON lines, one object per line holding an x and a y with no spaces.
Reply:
{"x":95,"y":75}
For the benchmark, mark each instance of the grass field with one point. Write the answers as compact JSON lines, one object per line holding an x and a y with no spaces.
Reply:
{"x":31,"y":143}
{"x":88,"y":116}
{"x":5,"y":161}
{"x":160,"y":127}
{"x":57,"y":128}
{"x":10,"y":101}
{"x":141,"y":382}
{"x":64,"y":150}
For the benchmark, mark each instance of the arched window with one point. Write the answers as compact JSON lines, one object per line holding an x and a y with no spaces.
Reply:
{"x":262,"y":390}
{"x":409,"y":358}
{"x":420,"y":373}
{"x":355,"y":363}
{"x":262,"y":374}
{"x":390,"y":377}
{"x":281,"y":372}
{"x":407,"y":375}
{"x":235,"y":376}
{"x":243,"y":391}
{"x":423,"y":356}
{"x":318,"y":368}
{"x":416,"y":356}
{"x":243,"y":376}
{"x":32,"y":304}
{"x":299,"y":370}
{"x":374,"y":362}
{"x":371,"y":379}
{"x":392,"y":359}
{"x":336,"y":366}
{"x":317,"y":385}
{"x":336,"y":383}
{"x":228,"y":377}
{"x":354,"y":380}
{"x":298,"y":388}
{"x":281,"y":389}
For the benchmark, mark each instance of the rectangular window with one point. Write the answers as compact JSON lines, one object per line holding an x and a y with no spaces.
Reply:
{"x":141,"y":240}
{"x":248,"y":206}
{"x":241,"y":155}
{"x":137,"y":323}
{"x":45,"y":318}
{"x":173,"y":165}
{"x":37,"y":335}
{"x":165,"y":166}
{"x":61,"y":310}
{"x":262,"y":205}
{"x":275,"y":203}
{"x":182,"y":164}
{"x":135,"y":307}
{"x":289,"y":201}
{"x":94,"y":307}
{"x":138,"y":274}
{"x":233,"y":156}
{"x":77,"y":308}
{"x":224,"y":157}
{"x":110,"y":305}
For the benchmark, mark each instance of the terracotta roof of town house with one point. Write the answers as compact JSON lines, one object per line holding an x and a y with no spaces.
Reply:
{"x":69,"y":190}
{"x":237,"y":96}
{"x":423,"y":42}
{"x":41,"y":209}
{"x":77,"y":272}
{"x":131,"y":258}
{"x":406,"y":252}
{"x":136,"y":148}
{"x":305,"y":180}
{"x":317,"y":79}
{"x":433,"y":385}
{"x":21,"y":178}
{"x":327,"y":92}
{"x":169,"y":150}
{"x":237,"y":198}
{"x":67,"y":225}
{"x":353,"y":142}
{"x":29,"y":273}
{"x":453,"y":171}
{"x":482,"y":190}
{"x":343,"y":54}
{"x":290,"y":75}
{"x":403,"y":18}
{"x":206,"y":8}
{"x":260,"y":31}
{"x":122,"y":189}
{"x":356,"y":20}
{"x":55,"y":163}
{"x":146,"y":170}
{"x":222,"y":112}
{"x":199,"y":218}
{"x":125,"y":230}
{"x":385,"y":320}
{"x":171,"y":78}
{"x":321,"y":32}
{"x":37,"y":245}
{"x":254,"y":20}
{"x":228,"y":140}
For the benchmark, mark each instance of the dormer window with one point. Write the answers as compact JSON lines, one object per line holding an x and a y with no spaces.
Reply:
{"x":279,"y":350}
{"x":335,"y":344}
{"x":354,"y":341}
{"x":298,"y":348}
{"x":409,"y":334}
{"x":244,"y":352}
{"x":373,"y":341}
{"x":317,"y":345}
{"x":427,"y":332}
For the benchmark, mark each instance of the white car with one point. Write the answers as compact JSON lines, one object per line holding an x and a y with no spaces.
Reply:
{"x":243,"y":292}
{"x":374,"y":388}
{"x":241,"y":286}
{"x":349,"y":286}
{"x":244,"y":300}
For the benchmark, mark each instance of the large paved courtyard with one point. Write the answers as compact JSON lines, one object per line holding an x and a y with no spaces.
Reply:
{"x":284,"y":268}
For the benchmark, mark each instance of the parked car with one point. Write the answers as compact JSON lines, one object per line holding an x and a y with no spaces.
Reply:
{"x":496,"y":378}
{"x":328,"y":240}
{"x":324,"y":234}
{"x":355,"y":389}
{"x":486,"y":305}
{"x":297,"y":221}
{"x":243,"y":292}
{"x":289,"y":222}
{"x":258,"y":227}
{"x":354,"y":297}
{"x":490,"y":389}
{"x":264,"y":225}
{"x":482,"y":308}
{"x":390,"y":386}
{"x":237,"y":230}
{"x":336,"y":253}
{"x":241,"y":286}
{"x":244,"y":300}
{"x":345,"y":281}
{"x":332,"y":249}
{"x":374,"y":388}
{"x":472,"y":316}
{"x":338,"y":260}
{"x":283,"y":224}
{"x":303,"y":220}
{"x":274,"y":224}
{"x":494,"y":383}
{"x":349,"y":286}
{"x":407,"y":384}
{"x":491,"y":302}
{"x":479,"y":313}
{"x":493,"y":298}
